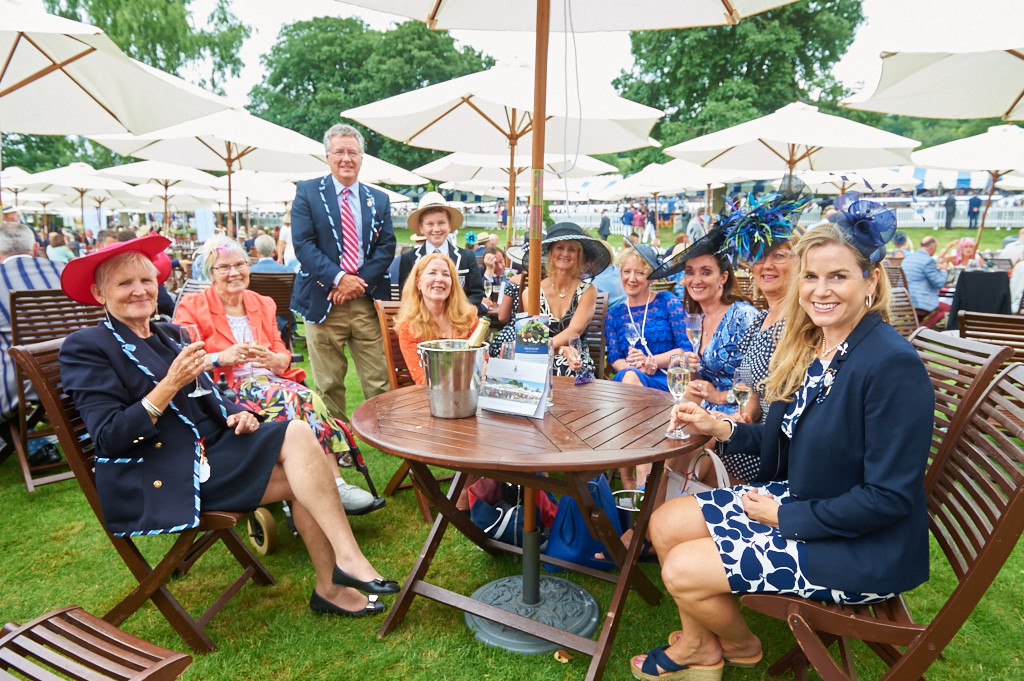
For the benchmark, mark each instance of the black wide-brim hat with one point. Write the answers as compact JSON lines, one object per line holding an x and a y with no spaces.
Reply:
{"x":709,"y":244}
{"x":595,"y":256}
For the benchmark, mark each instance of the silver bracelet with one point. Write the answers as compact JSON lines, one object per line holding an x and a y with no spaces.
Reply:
{"x":151,"y":409}
{"x":732,"y":430}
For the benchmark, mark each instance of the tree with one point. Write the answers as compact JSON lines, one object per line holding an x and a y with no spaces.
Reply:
{"x":157,"y":32}
{"x":707,"y":79}
{"x":323,"y":66}
{"x":162,"y":33}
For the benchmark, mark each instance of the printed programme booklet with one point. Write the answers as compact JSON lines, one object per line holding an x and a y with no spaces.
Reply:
{"x":515,"y":386}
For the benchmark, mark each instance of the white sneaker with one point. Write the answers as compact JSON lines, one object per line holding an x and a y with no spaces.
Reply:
{"x":354,"y":499}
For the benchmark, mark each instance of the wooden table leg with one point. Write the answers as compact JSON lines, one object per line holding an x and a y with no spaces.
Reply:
{"x":630,"y":575}
{"x":422,"y":564}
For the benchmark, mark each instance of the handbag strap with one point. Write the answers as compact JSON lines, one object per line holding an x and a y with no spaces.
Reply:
{"x":721,"y":475}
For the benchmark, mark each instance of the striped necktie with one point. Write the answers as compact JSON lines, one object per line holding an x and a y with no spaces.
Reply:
{"x":350,"y":240}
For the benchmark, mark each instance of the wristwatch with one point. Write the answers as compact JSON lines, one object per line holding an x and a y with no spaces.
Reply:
{"x":215,"y":357}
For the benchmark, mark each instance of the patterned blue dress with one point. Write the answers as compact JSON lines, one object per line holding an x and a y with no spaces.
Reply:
{"x":664,"y":330}
{"x":756,"y":557}
{"x":722,"y":355}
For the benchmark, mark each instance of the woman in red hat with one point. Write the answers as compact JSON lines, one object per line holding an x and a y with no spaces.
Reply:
{"x":163,"y":455}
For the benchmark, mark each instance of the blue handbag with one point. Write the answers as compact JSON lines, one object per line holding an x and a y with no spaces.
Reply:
{"x":570,"y":539}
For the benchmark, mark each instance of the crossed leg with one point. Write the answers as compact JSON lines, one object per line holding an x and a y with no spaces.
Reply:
{"x":303,"y":474}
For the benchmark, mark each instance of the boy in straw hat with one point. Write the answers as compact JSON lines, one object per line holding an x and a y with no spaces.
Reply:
{"x":434,"y":219}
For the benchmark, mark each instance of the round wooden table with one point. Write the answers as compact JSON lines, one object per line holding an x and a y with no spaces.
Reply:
{"x":591,"y":428}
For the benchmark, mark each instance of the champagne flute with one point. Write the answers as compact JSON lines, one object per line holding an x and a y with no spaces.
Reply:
{"x":632,"y":334}
{"x":740,"y":391}
{"x":678,"y":382}
{"x":247,"y":339}
{"x":190,"y":334}
{"x":694,"y":326}
{"x":584,"y":376}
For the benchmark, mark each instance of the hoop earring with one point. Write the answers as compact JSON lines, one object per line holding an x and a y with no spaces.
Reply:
{"x":870,"y":300}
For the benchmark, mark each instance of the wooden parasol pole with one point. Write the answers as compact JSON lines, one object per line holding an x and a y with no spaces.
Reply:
{"x":531,"y":562}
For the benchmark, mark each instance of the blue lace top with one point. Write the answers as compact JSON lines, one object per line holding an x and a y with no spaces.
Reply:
{"x":722,"y":355}
{"x":665,"y":328}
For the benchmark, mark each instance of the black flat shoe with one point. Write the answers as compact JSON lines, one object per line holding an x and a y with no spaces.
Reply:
{"x":321,"y":605}
{"x":380,"y":587}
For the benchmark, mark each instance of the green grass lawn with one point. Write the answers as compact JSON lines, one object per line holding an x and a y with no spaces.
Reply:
{"x":53,"y":553}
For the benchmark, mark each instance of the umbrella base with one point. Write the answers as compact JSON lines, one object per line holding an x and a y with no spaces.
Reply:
{"x":563,"y":604}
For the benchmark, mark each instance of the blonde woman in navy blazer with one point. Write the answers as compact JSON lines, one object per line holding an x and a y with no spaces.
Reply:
{"x":163,"y":456}
{"x":840,"y":515}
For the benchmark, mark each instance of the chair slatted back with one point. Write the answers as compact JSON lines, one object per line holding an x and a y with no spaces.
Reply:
{"x":976,"y":516}
{"x":190,"y":286}
{"x":1001,"y":264}
{"x":69,"y":643}
{"x":595,"y":334}
{"x":959,"y":370}
{"x":40,"y":362}
{"x":398,"y":371}
{"x":999,"y":329}
{"x":41,"y":315}
{"x":896,"y":275}
{"x":902,"y":314}
{"x":278,"y":286}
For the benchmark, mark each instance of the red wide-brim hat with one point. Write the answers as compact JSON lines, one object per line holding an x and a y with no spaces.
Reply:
{"x":80,"y":273}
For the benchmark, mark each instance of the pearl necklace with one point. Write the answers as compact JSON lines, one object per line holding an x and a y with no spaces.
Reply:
{"x":825,"y":352}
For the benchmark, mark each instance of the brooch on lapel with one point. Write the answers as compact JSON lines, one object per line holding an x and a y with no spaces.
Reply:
{"x":826,"y":384}
{"x":369,"y":202}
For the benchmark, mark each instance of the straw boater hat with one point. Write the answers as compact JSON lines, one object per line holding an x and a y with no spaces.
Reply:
{"x":434,"y":200}
{"x":80,"y":273}
{"x":595,"y":257}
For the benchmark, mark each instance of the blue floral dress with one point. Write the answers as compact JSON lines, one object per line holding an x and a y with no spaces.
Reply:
{"x":722,"y":355}
{"x":664,"y":330}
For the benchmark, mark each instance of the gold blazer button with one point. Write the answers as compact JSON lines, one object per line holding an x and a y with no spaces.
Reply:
{"x":157,"y":484}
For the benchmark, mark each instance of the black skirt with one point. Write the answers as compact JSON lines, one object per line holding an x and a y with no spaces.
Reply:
{"x":240,"y":465}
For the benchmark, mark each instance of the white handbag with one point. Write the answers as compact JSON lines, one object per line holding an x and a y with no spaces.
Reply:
{"x":689,"y":482}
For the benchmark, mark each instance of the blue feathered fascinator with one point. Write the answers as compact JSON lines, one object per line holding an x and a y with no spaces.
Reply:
{"x":750,"y":233}
{"x":869,"y":225}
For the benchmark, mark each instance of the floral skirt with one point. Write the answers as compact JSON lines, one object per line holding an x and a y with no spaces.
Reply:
{"x":756,"y":557}
{"x":282,"y":400}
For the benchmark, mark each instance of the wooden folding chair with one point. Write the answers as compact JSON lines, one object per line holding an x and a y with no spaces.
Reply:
{"x":594,"y":337}
{"x":72,"y":644}
{"x":399,"y":377}
{"x":39,"y":315}
{"x":959,"y":370}
{"x":40,"y":362}
{"x":999,"y":329}
{"x":895,"y":273}
{"x":976,"y":515}
{"x":277,"y":285}
{"x":902,"y":314}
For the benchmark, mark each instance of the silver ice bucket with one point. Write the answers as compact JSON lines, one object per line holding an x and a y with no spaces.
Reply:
{"x":454,"y":372}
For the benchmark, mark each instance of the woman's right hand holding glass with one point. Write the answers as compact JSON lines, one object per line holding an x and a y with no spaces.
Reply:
{"x":187,"y":366}
{"x":698,"y":420}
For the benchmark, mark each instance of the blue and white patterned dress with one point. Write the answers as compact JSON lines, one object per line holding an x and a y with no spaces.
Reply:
{"x":757,"y":558}
{"x":722,"y":355}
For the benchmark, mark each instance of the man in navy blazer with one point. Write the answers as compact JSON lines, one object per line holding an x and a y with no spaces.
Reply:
{"x":338,"y":304}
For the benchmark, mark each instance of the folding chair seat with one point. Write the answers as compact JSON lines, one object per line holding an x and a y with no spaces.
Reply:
{"x":40,"y":362}
{"x":69,"y":643}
